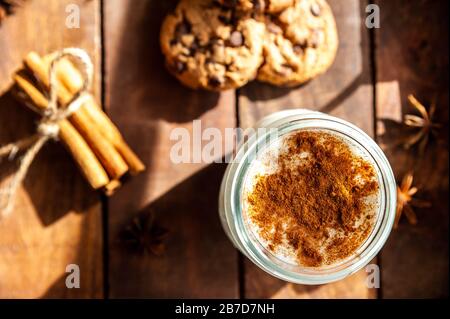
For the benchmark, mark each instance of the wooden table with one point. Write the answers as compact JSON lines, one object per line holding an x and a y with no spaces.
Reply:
{"x":58,"y":220}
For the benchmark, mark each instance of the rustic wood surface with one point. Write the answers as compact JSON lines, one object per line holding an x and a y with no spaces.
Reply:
{"x":344,"y":91}
{"x":147,"y":103}
{"x":58,"y":220}
{"x":413,"y":59}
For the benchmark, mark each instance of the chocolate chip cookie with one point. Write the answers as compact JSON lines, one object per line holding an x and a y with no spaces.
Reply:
{"x":300,"y":43}
{"x":210,"y":46}
{"x":257,"y":5}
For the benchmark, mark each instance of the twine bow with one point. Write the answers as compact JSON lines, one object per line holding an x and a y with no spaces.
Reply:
{"x":47,"y":128}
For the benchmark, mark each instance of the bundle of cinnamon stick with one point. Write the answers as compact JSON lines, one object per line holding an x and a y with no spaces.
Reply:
{"x":89,"y":135}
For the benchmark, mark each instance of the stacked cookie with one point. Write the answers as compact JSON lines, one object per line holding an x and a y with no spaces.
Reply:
{"x":223,"y":44}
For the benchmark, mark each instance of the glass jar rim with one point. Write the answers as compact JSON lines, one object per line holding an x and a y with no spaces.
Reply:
{"x":286,"y":122}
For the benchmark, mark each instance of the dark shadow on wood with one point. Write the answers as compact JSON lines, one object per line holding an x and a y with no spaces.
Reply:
{"x":140,"y":42}
{"x":306,"y":289}
{"x":194,"y":234}
{"x":412,"y":54}
{"x":19,"y":122}
{"x":197,"y":253}
{"x":263,"y":286}
{"x":345,"y":93}
{"x":261,"y":91}
{"x":91,"y":289}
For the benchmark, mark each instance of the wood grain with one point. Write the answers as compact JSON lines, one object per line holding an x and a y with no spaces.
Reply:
{"x":344,"y":91}
{"x":412,"y":58}
{"x":57,"y":217}
{"x":147,"y":104}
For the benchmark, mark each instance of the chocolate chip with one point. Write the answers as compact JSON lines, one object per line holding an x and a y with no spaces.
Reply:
{"x":273,"y":28}
{"x":298,"y":49}
{"x":316,"y":38}
{"x":182,"y":29}
{"x":179,"y":67}
{"x":258,"y":5}
{"x":236,"y":39}
{"x":215,"y":81}
{"x":224,"y":19}
{"x":315,"y":9}
{"x":229,"y":3}
{"x":215,"y":40}
{"x":195,"y":45}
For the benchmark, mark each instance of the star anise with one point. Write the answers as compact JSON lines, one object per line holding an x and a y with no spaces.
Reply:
{"x":405,"y":200}
{"x":144,"y":235}
{"x":424,"y":123}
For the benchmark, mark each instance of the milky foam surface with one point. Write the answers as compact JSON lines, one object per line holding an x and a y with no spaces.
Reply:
{"x":265,"y":163}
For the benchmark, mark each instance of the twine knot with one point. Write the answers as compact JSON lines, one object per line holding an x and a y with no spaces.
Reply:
{"x":48,"y":127}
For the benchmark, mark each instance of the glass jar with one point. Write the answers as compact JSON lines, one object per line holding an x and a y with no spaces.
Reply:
{"x":232,"y":188}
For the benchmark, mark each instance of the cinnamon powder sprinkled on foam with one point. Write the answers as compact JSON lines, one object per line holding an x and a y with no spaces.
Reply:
{"x":317,"y":207}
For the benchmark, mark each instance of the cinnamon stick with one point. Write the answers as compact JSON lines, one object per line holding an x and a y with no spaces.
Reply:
{"x":75,"y":143}
{"x":111,"y":187}
{"x":70,"y":76}
{"x":110,"y":158}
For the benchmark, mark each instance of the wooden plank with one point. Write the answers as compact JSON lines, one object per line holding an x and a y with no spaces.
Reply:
{"x":344,"y":91}
{"x":147,"y":103}
{"x":57,"y":217}
{"x":412,"y":58}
